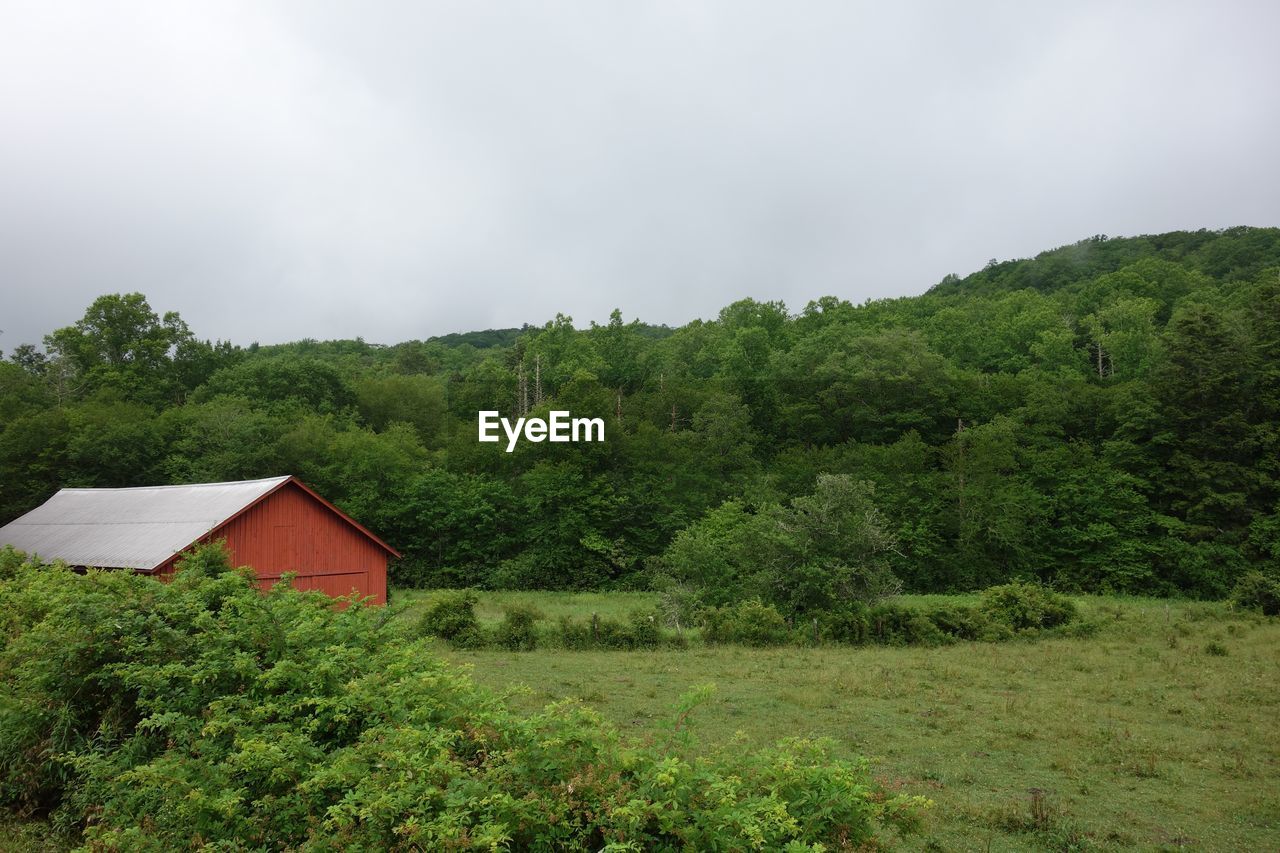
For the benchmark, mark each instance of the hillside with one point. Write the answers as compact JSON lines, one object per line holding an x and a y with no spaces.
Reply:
{"x":1100,"y":417}
{"x":1235,"y":254}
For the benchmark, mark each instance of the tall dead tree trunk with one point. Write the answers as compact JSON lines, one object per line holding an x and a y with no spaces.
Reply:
{"x":522,"y":391}
{"x":537,"y":379}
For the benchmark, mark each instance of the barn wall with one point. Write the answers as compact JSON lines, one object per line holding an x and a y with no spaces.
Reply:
{"x":290,"y":531}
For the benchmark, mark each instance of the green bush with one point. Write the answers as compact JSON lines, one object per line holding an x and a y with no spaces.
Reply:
{"x":848,"y":624}
{"x":149,"y":716}
{"x":961,"y":622}
{"x":452,"y":617}
{"x":11,"y":560}
{"x":895,"y":625}
{"x":1021,"y":606}
{"x":750,"y":623}
{"x":517,"y":632}
{"x":639,"y":631}
{"x":642,"y":630}
{"x":1256,"y":591}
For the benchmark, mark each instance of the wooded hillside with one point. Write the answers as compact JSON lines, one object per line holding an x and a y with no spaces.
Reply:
{"x":1105,"y":416}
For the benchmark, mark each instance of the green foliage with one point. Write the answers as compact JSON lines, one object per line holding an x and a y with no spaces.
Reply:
{"x":1102,"y":417}
{"x":818,"y":553}
{"x":750,"y":623}
{"x":1006,"y":611}
{"x":640,"y":630}
{"x":718,"y":555}
{"x":891,"y":625}
{"x":1256,"y":591}
{"x":120,"y":345}
{"x":310,"y":382}
{"x":11,"y":560}
{"x":517,"y":631}
{"x":452,"y":617}
{"x":149,"y":716}
{"x":1021,"y":606}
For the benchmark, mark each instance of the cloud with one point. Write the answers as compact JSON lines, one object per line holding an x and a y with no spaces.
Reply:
{"x":395,"y":171}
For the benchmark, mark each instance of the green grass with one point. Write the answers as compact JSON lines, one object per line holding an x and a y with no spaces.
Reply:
{"x":1161,"y":732}
{"x":1144,"y":736}
{"x":553,"y":605}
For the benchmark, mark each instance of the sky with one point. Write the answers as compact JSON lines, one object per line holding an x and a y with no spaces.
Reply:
{"x":275,"y":171}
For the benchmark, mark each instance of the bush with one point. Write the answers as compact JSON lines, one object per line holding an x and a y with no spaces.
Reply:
{"x":642,"y":630}
{"x":678,"y":604}
{"x":961,"y":622}
{"x":11,"y":559}
{"x":848,"y":624}
{"x":895,"y":625}
{"x":163,"y":716}
{"x":749,"y":622}
{"x":452,"y":617}
{"x":1022,"y":606}
{"x":517,"y":632}
{"x":1256,"y":591}
{"x":639,"y":631}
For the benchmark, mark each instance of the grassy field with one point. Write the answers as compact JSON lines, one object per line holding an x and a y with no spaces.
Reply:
{"x":1160,"y":732}
{"x":612,"y":605}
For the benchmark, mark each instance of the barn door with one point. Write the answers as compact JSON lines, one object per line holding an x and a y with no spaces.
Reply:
{"x":284,"y":549}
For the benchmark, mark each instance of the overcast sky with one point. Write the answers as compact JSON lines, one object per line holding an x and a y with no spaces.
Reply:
{"x":274,"y":171}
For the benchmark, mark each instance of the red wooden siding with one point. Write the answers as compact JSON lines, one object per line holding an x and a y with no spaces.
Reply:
{"x":291,"y":531}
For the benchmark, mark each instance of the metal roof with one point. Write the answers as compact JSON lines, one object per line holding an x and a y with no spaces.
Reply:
{"x":136,"y":528}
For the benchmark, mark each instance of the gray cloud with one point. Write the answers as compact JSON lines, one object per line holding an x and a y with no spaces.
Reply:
{"x":395,"y":171}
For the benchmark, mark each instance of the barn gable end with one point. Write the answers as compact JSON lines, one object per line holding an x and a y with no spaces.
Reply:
{"x":294,"y":530}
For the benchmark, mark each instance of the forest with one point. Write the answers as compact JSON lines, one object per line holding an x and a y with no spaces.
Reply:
{"x":1103,"y":417}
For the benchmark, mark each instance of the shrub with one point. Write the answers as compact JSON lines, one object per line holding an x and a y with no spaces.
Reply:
{"x":517,"y":632}
{"x":895,"y":625}
{"x":1080,"y":629}
{"x":749,"y":622}
{"x":1256,"y":591}
{"x":642,"y":630}
{"x":152,"y":716}
{"x":678,"y":604}
{"x":848,"y":624}
{"x":961,"y":622}
{"x":1021,"y":606}
{"x":452,"y":617}
{"x":11,"y":559}
{"x":996,"y":632}
{"x":639,"y":631}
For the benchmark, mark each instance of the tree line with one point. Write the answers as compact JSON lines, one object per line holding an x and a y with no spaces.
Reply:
{"x":1102,"y":417}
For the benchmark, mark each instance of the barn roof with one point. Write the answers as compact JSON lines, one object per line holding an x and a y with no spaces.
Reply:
{"x":141,"y":527}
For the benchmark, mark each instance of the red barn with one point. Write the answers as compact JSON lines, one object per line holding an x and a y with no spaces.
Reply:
{"x":276,"y":525}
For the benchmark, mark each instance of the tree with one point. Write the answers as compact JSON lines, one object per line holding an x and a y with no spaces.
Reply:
{"x":1202,"y":389}
{"x":308,"y":381}
{"x":120,"y":343}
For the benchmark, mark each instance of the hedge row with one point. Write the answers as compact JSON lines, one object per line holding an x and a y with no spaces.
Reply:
{"x":452,"y":617}
{"x":1005,"y":612}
